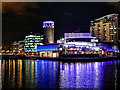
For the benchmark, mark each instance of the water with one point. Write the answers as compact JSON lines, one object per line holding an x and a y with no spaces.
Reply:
{"x":55,"y":74}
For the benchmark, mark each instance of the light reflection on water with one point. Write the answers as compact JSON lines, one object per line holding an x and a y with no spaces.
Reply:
{"x":54,"y":74}
{"x":79,"y":75}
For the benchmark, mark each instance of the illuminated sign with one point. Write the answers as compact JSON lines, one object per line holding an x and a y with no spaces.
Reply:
{"x":48,"y":24}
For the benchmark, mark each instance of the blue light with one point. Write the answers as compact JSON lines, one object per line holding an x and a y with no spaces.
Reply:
{"x":111,"y":50}
{"x":118,"y":61}
{"x":48,"y":48}
{"x":30,"y":50}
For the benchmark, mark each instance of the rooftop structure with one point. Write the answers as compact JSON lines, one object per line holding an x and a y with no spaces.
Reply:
{"x":78,"y":37}
{"x":48,"y":24}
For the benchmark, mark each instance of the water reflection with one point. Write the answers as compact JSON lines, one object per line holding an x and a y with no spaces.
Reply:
{"x":88,"y":75}
{"x":29,"y":74}
{"x":47,"y":74}
{"x":54,"y":74}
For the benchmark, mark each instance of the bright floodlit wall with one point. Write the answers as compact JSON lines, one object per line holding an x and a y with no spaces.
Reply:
{"x":48,"y":48}
{"x":48,"y":51}
{"x":105,"y":28}
{"x":32,"y":41}
{"x":48,"y":31}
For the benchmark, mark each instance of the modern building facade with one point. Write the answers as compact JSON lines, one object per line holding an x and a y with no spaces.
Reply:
{"x":31,"y":43}
{"x":15,"y":48}
{"x":105,"y":28}
{"x":48,"y":27}
{"x":21,"y":47}
{"x":18,"y":47}
{"x":84,"y":43}
{"x":79,"y":43}
{"x":51,"y":51}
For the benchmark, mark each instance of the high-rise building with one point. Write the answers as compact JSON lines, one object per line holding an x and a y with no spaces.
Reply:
{"x":48,"y":31}
{"x":105,"y":28}
{"x":32,"y":41}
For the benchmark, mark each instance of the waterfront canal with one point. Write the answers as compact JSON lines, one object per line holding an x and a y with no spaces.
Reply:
{"x":58,"y":74}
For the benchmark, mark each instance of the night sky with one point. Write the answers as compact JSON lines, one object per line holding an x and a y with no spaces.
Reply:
{"x":19,"y":19}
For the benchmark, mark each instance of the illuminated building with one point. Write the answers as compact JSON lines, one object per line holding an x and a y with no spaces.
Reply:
{"x":48,"y":50}
{"x":48,"y":32}
{"x":18,"y":47}
{"x":31,"y":43}
{"x":84,"y":43}
{"x":80,"y":43}
{"x":105,"y":28}
{"x":61,"y":41}
{"x":21,"y":47}
{"x":15,"y":47}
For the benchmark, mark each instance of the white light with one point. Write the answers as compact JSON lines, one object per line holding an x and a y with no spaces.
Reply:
{"x":48,"y":24}
{"x":54,"y":54}
{"x":60,"y":49}
{"x":79,"y":43}
{"x":94,"y":40}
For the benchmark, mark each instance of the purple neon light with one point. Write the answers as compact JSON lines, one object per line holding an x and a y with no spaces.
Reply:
{"x":78,"y":34}
{"x":80,"y":45}
{"x":74,"y":44}
{"x":80,"y":37}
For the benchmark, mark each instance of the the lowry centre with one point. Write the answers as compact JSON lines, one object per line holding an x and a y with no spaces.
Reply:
{"x":96,"y":43}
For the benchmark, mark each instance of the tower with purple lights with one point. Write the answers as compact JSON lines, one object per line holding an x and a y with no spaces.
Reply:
{"x":48,"y":31}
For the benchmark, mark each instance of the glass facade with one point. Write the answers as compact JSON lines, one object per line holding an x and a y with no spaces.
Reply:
{"x":32,"y":41}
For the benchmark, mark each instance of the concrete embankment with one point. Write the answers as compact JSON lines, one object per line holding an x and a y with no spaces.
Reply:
{"x":64,"y":59}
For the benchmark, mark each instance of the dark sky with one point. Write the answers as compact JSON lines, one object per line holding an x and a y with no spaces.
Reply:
{"x":19,"y":19}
